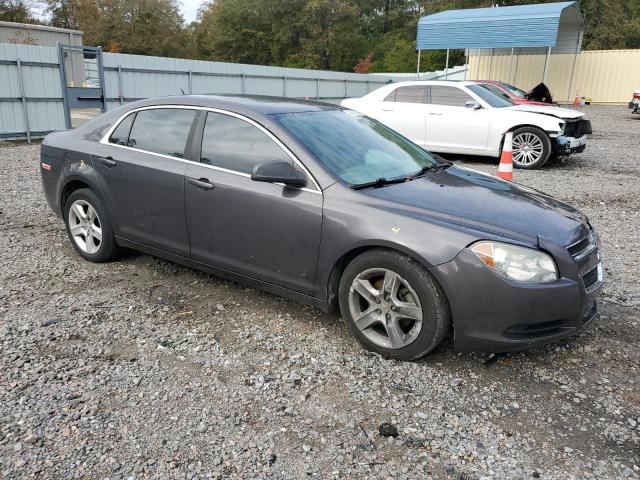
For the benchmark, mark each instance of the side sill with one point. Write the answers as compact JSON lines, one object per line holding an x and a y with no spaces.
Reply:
{"x":226,"y":274}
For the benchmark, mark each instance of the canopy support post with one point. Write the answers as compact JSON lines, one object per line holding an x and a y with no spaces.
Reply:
{"x":546,"y":65}
{"x":511,"y":69}
{"x":478,"y":67}
{"x":466,"y":62}
{"x":418,"y":69}
{"x":573,"y":68}
{"x":446,"y":66}
{"x":490,"y":65}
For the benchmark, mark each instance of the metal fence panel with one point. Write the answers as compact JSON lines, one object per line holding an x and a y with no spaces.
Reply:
{"x":606,"y":76}
{"x":32,"y":94}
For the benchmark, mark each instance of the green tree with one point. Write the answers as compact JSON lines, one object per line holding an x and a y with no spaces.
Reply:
{"x":15,"y":11}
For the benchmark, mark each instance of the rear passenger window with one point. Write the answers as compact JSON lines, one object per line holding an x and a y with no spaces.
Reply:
{"x":162,"y":130}
{"x":120,"y":135}
{"x":231,"y":143}
{"x":415,"y":94}
{"x":450,"y":96}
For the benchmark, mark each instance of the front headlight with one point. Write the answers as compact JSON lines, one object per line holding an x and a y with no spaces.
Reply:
{"x":519,"y":263}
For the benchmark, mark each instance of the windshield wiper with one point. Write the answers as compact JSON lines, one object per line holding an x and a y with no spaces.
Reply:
{"x":430,"y":168}
{"x":380,"y":182}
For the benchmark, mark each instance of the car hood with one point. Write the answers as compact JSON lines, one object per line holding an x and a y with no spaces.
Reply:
{"x":548,"y":110}
{"x":473,"y":201}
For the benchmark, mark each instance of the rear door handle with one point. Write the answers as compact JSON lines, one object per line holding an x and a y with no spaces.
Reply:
{"x":387,"y":109}
{"x":108,"y":161}
{"x":434,"y":113}
{"x":202,"y":183}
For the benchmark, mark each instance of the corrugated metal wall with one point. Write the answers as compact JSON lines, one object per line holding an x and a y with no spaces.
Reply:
{"x":606,"y":76}
{"x":36,"y":103}
{"x":39,"y":84}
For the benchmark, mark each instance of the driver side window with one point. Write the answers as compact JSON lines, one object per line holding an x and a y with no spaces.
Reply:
{"x":233,"y":144}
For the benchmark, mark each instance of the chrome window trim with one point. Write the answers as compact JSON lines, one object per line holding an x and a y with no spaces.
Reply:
{"x":105,"y":141}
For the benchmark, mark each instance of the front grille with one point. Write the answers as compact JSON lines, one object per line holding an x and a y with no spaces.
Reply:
{"x":578,"y":247}
{"x":590,"y":278}
{"x":586,"y":254}
{"x":577,"y":128}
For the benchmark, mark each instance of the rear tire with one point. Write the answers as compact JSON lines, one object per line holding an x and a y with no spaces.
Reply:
{"x":531,"y":148}
{"x":392,"y":305}
{"x":88,"y":226}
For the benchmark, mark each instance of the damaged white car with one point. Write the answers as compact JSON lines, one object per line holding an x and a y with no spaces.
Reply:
{"x":466,"y":118}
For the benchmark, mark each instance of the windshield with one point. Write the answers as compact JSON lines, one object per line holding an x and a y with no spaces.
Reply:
{"x":494,"y":100}
{"x":355,"y":148}
{"x":515,"y":90}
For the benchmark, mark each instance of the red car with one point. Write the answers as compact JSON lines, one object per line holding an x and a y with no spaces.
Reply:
{"x":540,"y":95}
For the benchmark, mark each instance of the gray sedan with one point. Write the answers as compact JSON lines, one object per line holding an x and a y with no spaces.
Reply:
{"x":328,"y":207}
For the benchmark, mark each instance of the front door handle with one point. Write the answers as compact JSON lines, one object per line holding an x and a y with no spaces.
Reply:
{"x":435,"y":113}
{"x":387,"y":109}
{"x":202,"y":183}
{"x":108,"y":161}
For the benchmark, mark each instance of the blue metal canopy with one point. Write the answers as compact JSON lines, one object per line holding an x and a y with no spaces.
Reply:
{"x":539,"y":25}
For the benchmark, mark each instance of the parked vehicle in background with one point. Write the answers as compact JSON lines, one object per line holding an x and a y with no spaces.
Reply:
{"x":634,"y":104}
{"x":539,"y":95}
{"x":467,"y":118}
{"x":331,"y":208}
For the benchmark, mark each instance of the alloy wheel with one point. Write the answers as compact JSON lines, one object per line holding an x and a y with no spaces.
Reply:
{"x":385,"y":308}
{"x":527,"y":148}
{"x":85,"y":226}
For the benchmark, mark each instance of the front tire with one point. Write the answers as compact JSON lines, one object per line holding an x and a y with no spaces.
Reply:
{"x":88,"y":226}
{"x":531,"y":148}
{"x":392,"y":305}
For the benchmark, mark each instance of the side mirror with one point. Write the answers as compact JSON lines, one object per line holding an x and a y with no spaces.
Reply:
{"x":279,"y":172}
{"x":473,"y":105}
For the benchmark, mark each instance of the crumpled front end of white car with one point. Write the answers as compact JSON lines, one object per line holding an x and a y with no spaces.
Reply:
{"x":573,"y":138}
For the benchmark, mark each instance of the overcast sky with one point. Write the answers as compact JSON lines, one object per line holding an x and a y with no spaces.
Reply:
{"x":190,"y":9}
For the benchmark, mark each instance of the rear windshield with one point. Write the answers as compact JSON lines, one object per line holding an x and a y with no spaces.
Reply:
{"x":493,"y":99}
{"x":515,"y":90}
{"x":355,"y":148}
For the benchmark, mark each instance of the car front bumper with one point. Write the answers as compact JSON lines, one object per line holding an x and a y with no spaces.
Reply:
{"x":564,"y":145}
{"x":492,"y":313}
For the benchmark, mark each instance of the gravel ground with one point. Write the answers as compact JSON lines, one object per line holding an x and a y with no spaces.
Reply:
{"x":143,"y":369}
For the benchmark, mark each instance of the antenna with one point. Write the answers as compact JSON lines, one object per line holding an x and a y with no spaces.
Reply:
{"x":182,"y":90}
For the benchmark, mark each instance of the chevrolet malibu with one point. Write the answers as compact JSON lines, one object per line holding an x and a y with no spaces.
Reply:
{"x":330,"y":208}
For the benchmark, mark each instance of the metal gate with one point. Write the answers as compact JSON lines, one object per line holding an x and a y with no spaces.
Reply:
{"x":82,"y":76}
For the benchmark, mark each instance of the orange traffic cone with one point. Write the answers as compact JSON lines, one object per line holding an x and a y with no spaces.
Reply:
{"x":505,"y":169}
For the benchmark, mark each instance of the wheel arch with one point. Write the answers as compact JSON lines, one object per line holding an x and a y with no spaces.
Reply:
{"x":338,"y":267}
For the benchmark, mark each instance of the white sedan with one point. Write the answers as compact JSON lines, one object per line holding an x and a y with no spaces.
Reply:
{"x":467,"y":118}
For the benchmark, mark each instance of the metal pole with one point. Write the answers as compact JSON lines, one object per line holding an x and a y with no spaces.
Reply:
{"x":284,"y":86}
{"x":120,"y":84}
{"x":490,"y":65}
{"x":63,"y":86}
{"x":345,"y":88}
{"x":242,"y":84}
{"x":24,"y":101}
{"x":446,"y":66}
{"x":466,"y":62}
{"x":478,"y":67}
{"x":511,"y":69}
{"x":190,"y":82}
{"x":515,"y":73}
{"x":573,"y":69}
{"x":546,"y":65}
{"x":418,"y":69}
{"x":317,"y":88}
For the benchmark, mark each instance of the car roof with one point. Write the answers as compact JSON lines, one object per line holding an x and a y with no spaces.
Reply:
{"x":243,"y":104}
